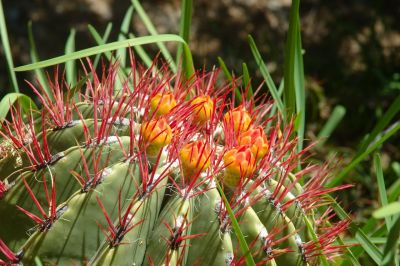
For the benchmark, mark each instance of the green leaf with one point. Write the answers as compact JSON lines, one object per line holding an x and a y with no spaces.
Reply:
{"x":299,"y":88}
{"x":236,"y":228}
{"x":186,"y":22}
{"x":105,"y":48}
{"x":41,"y":76}
{"x":152,"y":30}
{"x":392,"y":245}
{"x":142,"y":54}
{"x":387,"y":210}
{"x":358,"y":233}
{"x":123,"y":32}
{"x":100,"y":40}
{"x":247,"y":81}
{"x":381,"y":125}
{"x":292,"y":45}
{"x":9,"y":99}
{"x":70,"y":66}
{"x":7,"y":51}
{"x":229,"y":77}
{"x":378,"y":142}
{"x":267,"y":77}
{"x":381,"y":187}
{"x":337,"y":115}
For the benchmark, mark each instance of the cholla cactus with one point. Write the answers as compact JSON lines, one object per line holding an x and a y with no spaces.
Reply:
{"x":131,"y":177}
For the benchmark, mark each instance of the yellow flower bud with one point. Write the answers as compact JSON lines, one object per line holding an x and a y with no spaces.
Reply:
{"x":162,"y":104}
{"x":203,"y":109}
{"x":256,"y":139}
{"x":239,"y":164}
{"x":239,"y":118}
{"x":156,"y":134}
{"x":195,"y":158}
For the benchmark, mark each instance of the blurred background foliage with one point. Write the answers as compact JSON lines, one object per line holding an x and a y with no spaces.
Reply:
{"x":352,"y":56}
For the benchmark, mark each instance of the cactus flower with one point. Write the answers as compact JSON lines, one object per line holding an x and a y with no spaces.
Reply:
{"x":203,"y":109}
{"x":156,"y":134}
{"x":256,"y":139}
{"x":239,"y":164}
{"x":239,"y":119}
{"x":162,"y":104}
{"x":195,"y":158}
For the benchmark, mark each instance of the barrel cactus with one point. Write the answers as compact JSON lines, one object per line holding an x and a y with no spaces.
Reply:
{"x":157,"y":171}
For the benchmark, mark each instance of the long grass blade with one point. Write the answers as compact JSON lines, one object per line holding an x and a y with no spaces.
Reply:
{"x":392,"y":111}
{"x":266,"y":75}
{"x":100,"y":40}
{"x":105,"y":48}
{"x":142,"y":53}
{"x":289,"y":94}
{"x":152,"y":30}
{"x":247,"y":81}
{"x":7,"y":51}
{"x":229,"y":77}
{"x":25,"y":102}
{"x":387,"y":210}
{"x":123,"y":32}
{"x":386,"y":135}
{"x":392,"y":245}
{"x":299,"y":88}
{"x":185,"y":23}
{"x":236,"y":228}
{"x":359,"y":234}
{"x":70,"y":66}
{"x":39,"y":73}
{"x":337,"y":115}
{"x":381,"y":187}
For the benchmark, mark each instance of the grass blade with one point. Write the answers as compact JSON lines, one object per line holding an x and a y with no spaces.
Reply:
{"x":152,"y":30}
{"x":100,"y":40}
{"x":121,"y":53}
{"x":229,"y":77}
{"x":337,"y":115}
{"x":267,"y":77}
{"x":142,"y":54}
{"x":7,"y":50}
{"x":299,"y":89}
{"x":105,"y":48}
{"x":381,"y":187}
{"x":186,"y":22}
{"x":247,"y":81}
{"x":387,"y":210}
{"x":392,"y":243}
{"x":242,"y":241}
{"x":387,"y":134}
{"x":382,"y":124}
{"x":40,"y":75}
{"x":70,"y":66}
{"x":9,"y":99}
{"x":359,"y":234}
{"x":289,"y":94}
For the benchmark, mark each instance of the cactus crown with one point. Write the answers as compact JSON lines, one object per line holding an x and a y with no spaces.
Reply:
{"x":128,"y":177}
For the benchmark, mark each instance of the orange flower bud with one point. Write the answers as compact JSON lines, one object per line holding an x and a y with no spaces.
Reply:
{"x":156,"y":134}
{"x":162,"y":103}
{"x":203,"y":109}
{"x":256,"y":139}
{"x":239,"y":118}
{"x":239,"y":164}
{"x":195,"y":158}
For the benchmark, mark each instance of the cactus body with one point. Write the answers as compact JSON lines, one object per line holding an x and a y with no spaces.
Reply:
{"x":129,"y":178}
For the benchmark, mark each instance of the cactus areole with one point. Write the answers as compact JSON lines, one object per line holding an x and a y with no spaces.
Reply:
{"x":126,"y":173}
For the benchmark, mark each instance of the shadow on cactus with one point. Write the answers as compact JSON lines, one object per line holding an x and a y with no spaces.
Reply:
{"x":129,"y":177}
